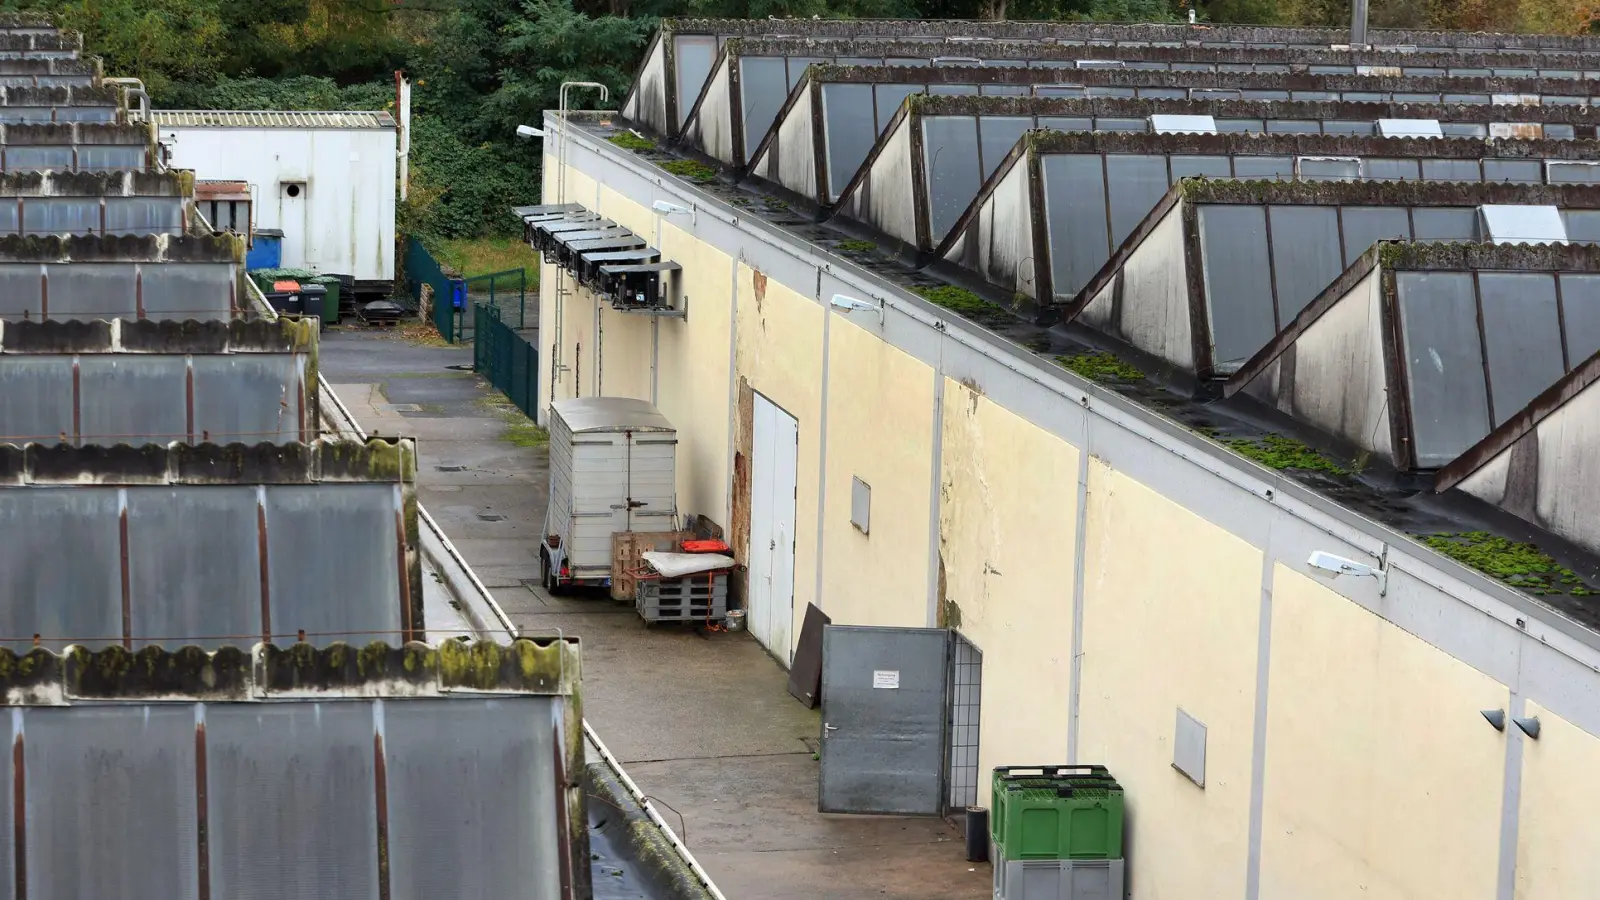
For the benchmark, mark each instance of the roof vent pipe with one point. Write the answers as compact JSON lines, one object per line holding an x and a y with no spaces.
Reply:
{"x":1358,"y":24}
{"x":133,"y":88}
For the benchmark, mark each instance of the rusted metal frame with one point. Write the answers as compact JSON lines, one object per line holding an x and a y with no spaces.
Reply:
{"x":1199,"y":321}
{"x":202,"y":812}
{"x":303,"y":399}
{"x":380,"y":784}
{"x":138,"y":292}
{"x":1272,"y":268}
{"x":921,"y":204}
{"x":1402,"y":436}
{"x":741,"y":162}
{"x":1483,"y":347}
{"x":126,"y":570}
{"x":1561,"y":323}
{"x":1044,"y":275}
{"x":819,"y":143}
{"x":563,"y":834}
{"x":102,"y":199}
{"x":1105,"y":196}
{"x":19,"y":805}
{"x":1338,"y":222}
{"x":669,"y":84}
{"x":188,"y":398}
{"x":77,"y":402}
{"x":266,"y":570}
{"x":406,"y":624}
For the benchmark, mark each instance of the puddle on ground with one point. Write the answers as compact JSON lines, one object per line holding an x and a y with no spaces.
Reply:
{"x":616,"y":875}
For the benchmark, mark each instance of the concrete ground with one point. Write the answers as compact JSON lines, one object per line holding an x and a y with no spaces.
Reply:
{"x":702,"y":722}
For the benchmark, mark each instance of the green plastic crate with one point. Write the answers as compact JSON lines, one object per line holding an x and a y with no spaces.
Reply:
{"x":1056,"y":812}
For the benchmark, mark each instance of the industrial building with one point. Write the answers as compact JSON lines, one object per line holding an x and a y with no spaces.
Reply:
{"x":217,"y":587}
{"x":1198,"y":449}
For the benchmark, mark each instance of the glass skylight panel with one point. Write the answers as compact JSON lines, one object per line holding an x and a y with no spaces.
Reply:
{"x":1163,"y":123}
{"x":1328,"y":168}
{"x":1561,"y":172}
{"x":1238,"y":285}
{"x":763,"y":88}
{"x":1522,"y":333}
{"x":997,"y":135}
{"x":1137,"y":184}
{"x":850,"y":130}
{"x":694,"y":55}
{"x":951,"y":147}
{"x":1517,"y":224}
{"x":1079,"y":244}
{"x":1580,"y":313}
{"x":1414,"y":128}
{"x":1444,"y":364}
{"x":1305,"y":255}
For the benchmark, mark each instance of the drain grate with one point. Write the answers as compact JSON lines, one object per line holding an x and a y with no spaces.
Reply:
{"x":459,"y":368}
{"x":451,"y":468}
{"x":491,"y":517}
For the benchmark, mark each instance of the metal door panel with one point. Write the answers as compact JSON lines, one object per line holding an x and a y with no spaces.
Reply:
{"x":884,"y":703}
{"x":785,"y":450}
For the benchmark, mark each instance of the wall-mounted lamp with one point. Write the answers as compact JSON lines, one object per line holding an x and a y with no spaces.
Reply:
{"x":663,"y":208}
{"x":528,"y":131}
{"x":851,"y":304}
{"x":1496,"y":717}
{"x":1338,"y":565}
{"x":1529,"y":725}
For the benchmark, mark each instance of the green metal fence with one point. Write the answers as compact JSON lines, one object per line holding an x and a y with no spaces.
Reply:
{"x":505,"y":358}
{"x":508,"y":292}
{"x":449,"y":294}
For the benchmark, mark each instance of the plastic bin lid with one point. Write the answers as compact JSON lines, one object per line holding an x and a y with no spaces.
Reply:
{"x":290,"y":286}
{"x":312,"y":289}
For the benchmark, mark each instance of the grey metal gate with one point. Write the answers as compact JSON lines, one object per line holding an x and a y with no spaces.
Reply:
{"x":884,"y":703}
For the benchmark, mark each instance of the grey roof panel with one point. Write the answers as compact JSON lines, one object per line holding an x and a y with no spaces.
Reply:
{"x":594,"y":414}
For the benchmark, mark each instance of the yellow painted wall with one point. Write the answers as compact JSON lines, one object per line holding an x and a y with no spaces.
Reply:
{"x":1382,"y":780}
{"x":694,"y":379}
{"x":1170,"y":615}
{"x":880,"y":429}
{"x":779,"y":352}
{"x":1558,"y":838}
{"x":1003,"y":540}
{"x":693,"y":373}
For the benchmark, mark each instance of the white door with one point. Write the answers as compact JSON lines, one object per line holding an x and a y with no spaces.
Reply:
{"x":292,"y":219}
{"x":772,"y":507}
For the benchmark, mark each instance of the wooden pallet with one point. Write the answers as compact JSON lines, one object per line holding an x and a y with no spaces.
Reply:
{"x":627,"y":557}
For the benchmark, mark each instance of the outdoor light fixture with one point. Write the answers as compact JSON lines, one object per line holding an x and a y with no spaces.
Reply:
{"x":1529,"y":725}
{"x":1338,"y":565}
{"x":1496,"y":717}
{"x":528,"y":131}
{"x":851,"y":304}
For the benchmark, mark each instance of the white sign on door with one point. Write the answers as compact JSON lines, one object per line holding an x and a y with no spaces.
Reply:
{"x":886,"y":678}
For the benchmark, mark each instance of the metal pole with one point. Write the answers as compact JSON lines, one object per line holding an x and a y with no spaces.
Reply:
{"x":1358,"y":23}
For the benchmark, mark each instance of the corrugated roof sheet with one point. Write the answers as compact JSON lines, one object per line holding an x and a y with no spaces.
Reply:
{"x":218,"y":118}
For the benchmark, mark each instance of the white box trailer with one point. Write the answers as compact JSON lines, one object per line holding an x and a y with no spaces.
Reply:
{"x":613,"y":467}
{"x":325,"y":179}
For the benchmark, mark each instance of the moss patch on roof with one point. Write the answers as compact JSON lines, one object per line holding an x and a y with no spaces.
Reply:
{"x":856,"y":246}
{"x":1276,"y":451}
{"x":964,"y":303}
{"x":1098,"y":365}
{"x":1520,"y":565}
{"x":627,"y":140}
{"x":692,"y":170}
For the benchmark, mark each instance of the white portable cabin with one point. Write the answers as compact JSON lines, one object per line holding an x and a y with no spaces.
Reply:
{"x":613,"y":467}
{"x":325,"y":179}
